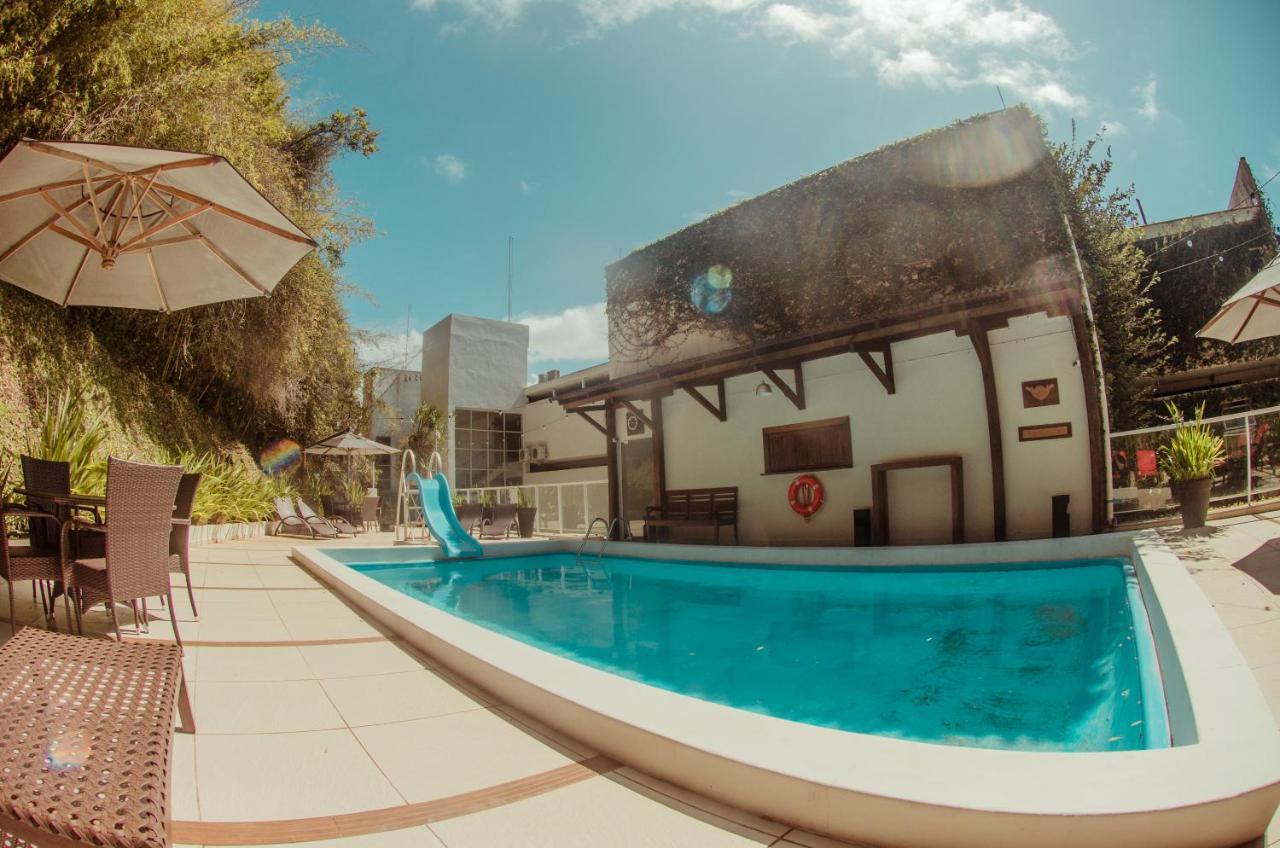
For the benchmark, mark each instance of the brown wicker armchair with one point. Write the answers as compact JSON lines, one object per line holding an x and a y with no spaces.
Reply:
{"x":33,"y":562}
{"x":140,"y":501}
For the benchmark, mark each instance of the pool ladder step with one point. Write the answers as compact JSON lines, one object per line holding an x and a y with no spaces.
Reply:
{"x":609,"y":527}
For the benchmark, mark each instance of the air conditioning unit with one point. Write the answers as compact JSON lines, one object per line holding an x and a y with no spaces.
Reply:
{"x":537,"y":451}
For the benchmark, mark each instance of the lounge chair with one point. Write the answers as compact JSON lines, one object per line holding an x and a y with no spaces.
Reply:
{"x":319,"y":523}
{"x":291,"y":523}
{"x":469,"y":515}
{"x":500,"y":524}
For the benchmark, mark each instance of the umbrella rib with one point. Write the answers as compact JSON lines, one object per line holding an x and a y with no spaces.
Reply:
{"x":160,"y":226}
{"x":137,"y":205}
{"x":1246,"y":321}
{"x":76,"y":237}
{"x":164,"y":301}
{"x":50,"y":150}
{"x":93,"y":198}
{"x":239,"y":216}
{"x":217,"y":251}
{"x":164,"y":242}
{"x":76,"y":279}
{"x":48,"y":223}
{"x":34,"y":190}
{"x":74,"y":221}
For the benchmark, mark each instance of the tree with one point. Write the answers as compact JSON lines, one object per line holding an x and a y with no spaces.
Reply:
{"x":1131,"y":341}
{"x":201,"y":75}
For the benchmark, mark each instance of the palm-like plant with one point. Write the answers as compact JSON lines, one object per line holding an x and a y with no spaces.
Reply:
{"x":69,"y":432}
{"x":230,"y":491}
{"x":1193,"y":451}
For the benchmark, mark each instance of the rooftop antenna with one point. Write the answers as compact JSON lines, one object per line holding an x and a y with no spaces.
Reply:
{"x":511,"y":245}
{"x":1001,"y":95}
{"x":1141,"y":211}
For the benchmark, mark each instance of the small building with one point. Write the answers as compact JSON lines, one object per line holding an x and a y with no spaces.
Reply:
{"x":910,"y":327}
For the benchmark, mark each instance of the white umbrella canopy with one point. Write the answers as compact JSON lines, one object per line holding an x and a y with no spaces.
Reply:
{"x":1251,"y":313}
{"x":347,"y":443}
{"x":106,"y":225}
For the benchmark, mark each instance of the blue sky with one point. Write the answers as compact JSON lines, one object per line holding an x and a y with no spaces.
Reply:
{"x":586,"y":128}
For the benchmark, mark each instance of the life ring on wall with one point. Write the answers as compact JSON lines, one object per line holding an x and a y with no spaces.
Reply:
{"x":805,"y":495}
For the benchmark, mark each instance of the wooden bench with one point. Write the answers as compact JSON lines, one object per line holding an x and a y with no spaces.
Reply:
{"x":715,"y":508}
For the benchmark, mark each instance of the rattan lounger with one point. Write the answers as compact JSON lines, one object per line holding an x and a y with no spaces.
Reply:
{"x":87,"y":739}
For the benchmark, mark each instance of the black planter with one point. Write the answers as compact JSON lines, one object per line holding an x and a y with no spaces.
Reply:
{"x":1193,"y":501}
{"x":524,"y":518}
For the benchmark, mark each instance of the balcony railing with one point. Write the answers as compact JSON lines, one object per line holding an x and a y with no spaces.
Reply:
{"x":1251,"y":472}
{"x":563,"y":508}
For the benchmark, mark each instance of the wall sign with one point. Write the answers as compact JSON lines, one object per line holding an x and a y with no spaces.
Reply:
{"x":1040,"y":432}
{"x":1040,"y":393}
{"x":635,"y":427}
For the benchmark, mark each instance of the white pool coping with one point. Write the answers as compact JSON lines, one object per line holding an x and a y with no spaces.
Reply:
{"x":1218,"y":785}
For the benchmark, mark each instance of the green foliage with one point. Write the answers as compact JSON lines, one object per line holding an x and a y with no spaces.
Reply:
{"x":428,"y":433}
{"x":70,"y":432}
{"x":354,"y":489}
{"x":524,"y":498}
{"x":1193,"y":451}
{"x":230,"y":491}
{"x":200,"y":75}
{"x":1133,"y":346}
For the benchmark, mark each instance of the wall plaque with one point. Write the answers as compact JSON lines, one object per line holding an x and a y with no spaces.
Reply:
{"x":1040,"y":393}
{"x":1040,"y":432}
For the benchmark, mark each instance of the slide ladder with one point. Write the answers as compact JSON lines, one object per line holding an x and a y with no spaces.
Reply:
{"x":426,"y":502}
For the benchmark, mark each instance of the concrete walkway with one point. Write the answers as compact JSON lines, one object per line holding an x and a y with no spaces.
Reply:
{"x":318,"y":728}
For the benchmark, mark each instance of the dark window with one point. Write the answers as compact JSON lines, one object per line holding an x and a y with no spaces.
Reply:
{"x":811,"y":446}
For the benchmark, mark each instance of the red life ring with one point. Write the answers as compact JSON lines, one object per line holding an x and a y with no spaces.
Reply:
{"x":805,"y":495}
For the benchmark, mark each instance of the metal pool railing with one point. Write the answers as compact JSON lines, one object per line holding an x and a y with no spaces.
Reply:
{"x":1250,"y":474}
{"x":563,"y":508}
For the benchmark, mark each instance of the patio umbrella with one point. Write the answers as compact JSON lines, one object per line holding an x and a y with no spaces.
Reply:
{"x":350,"y":445}
{"x":107,"y":225}
{"x":1251,"y":313}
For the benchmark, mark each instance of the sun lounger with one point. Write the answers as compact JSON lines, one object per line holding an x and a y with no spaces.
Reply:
{"x":500,"y":524}
{"x":319,"y":523}
{"x":469,"y":515}
{"x":291,"y":523}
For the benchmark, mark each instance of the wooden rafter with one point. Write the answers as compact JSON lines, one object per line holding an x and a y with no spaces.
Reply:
{"x":214,"y":249}
{"x":604,"y":431}
{"x":882,"y":373}
{"x":61,"y":184}
{"x":795,"y":395}
{"x":719,"y":410}
{"x":982,"y":348}
{"x":231,"y":213}
{"x":648,"y":422}
{"x":155,"y":277}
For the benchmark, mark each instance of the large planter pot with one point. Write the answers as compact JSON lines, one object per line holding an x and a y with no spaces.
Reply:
{"x":524,"y":518}
{"x":1193,"y":501}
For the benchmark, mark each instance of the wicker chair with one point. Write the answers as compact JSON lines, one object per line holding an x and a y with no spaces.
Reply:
{"x":180,"y":533}
{"x":369,"y":512}
{"x":87,"y":742}
{"x":32,"y":562}
{"x":140,"y":501}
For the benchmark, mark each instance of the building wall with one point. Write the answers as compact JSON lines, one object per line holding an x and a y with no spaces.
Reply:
{"x":566,"y":436}
{"x":939,"y":408}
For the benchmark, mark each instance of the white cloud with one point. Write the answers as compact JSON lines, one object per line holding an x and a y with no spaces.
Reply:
{"x":936,"y":43}
{"x":389,"y":348}
{"x":1149,"y":109}
{"x":574,"y":334}
{"x":1112,"y":128}
{"x":453,"y":169}
{"x":526,"y":187}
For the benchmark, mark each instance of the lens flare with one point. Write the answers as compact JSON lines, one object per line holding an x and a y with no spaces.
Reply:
{"x":280,"y":456}
{"x":712,"y":291}
{"x":65,"y":753}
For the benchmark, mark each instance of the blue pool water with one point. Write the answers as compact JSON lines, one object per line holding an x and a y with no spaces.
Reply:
{"x":1050,"y":656}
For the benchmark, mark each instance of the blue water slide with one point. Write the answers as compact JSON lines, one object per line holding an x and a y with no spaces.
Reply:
{"x":442,"y":521}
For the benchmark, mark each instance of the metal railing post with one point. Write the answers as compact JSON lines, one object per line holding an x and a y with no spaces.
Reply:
{"x":560,"y":508}
{"x":1248,"y":460}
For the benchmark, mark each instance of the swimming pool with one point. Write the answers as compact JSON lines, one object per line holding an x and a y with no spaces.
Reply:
{"x":1046,"y":656}
{"x":596,"y":655}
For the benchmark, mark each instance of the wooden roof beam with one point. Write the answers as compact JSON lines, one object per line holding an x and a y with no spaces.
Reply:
{"x":635,"y":410}
{"x":604,"y":431}
{"x":795,"y":395}
{"x":719,"y":410}
{"x":883,"y":373}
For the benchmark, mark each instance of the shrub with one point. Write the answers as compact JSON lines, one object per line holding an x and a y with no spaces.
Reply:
{"x":230,"y":491}
{"x":1193,"y":451}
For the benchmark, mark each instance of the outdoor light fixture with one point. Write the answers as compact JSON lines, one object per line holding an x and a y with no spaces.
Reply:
{"x":764,"y":389}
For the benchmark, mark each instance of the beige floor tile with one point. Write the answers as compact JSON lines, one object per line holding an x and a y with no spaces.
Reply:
{"x":593,"y":813}
{"x":359,"y":660}
{"x":446,"y":755}
{"x":1231,"y":587}
{"x":814,"y":840}
{"x":235,"y":603}
{"x":1260,"y":643}
{"x":397,"y":697}
{"x":285,"y":576}
{"x":1234,"y":615}
{"x":184,"y":798}
{"x":413,"y":837}
{"x":567,"y":746}
{"x":284,"y":663}
{"x":310,"y":628}
{"x":245,"y":630}
{"x":660,"y":789}
{"x":264,"y":707}
{"x":286,"y":776}
{"x":221,"y":575}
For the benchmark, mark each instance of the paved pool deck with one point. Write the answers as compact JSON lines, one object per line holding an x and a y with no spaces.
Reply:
{"x":317,"y":728}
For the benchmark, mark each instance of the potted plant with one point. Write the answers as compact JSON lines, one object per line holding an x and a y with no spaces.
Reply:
{"x":525,"y":513}
{"x":1188,"y":460}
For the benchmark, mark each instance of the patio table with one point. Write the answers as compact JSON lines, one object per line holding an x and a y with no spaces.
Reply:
{"x":86,"y":746}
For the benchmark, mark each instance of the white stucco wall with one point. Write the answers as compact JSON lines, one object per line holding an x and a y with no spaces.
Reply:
{"x":566,"y":436}
{"x":939,"y":408}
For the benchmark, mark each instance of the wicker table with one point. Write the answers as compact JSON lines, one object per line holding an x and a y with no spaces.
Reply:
{"x":86,"y":740}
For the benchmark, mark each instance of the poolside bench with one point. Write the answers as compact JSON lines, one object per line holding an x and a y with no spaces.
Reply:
{"x":713,"y":507}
